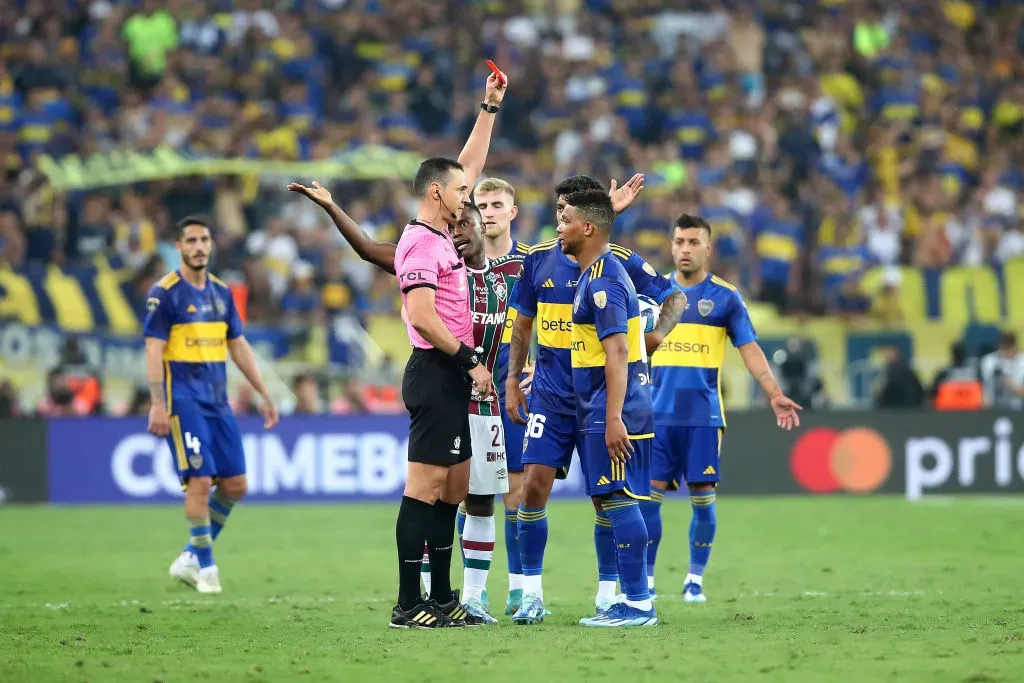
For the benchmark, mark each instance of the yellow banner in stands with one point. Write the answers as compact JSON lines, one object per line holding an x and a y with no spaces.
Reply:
{"x":369,"y":162}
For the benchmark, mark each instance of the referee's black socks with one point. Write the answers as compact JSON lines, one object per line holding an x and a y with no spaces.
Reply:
{"x":441,"y":539}
{"x":415,"y":524}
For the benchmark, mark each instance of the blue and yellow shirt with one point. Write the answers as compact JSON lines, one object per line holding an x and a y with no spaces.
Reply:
{"x":546,"y":291}
{"x":197,"y":325}
{"x":510,"y":262}
{"x":687,"y":367}
{"x":606,"y":304}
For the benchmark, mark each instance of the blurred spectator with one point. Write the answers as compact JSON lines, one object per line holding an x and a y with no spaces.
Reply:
{"x":900,"y":385}
{"x":9,"y":406}
{"x":1002,"y":374}
{"x":307,"y":395}
{"x":798,"y":375}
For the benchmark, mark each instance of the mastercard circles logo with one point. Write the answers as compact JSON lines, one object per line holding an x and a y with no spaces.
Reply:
{"x":855,"y":460}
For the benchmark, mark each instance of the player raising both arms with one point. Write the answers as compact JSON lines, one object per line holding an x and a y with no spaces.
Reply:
{"x":191,"y":327}
{"x":545,"y":291}
{"x":688,"y":410}
{"x":614,"y":417}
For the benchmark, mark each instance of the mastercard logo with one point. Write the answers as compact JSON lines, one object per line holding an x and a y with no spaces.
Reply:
{"x":855,"y":460}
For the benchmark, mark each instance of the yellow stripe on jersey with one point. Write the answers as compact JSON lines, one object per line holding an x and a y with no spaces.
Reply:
{"x":587,"y":351}
{"x":197,"y":343}
{"x":216,"y":280}
{"x":506,"y":332}
{"x":555,"y":326}
{"x":596,"y":269}
{"x":719,"y":281}
{"x":522,"y":248}
{"x":179,"y":443}
{"x":169,"y":280}
{"x":622,"y":252}
{"x":543,"y":246}
{"x":690,"y":345}
{"x":778,"y":247}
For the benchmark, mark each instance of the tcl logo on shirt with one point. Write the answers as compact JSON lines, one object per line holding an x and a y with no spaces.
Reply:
{"x":414,"y":276}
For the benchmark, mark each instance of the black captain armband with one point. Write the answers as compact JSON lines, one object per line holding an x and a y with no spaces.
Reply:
{"x":489,"y":108}
{"x":467,"y":357}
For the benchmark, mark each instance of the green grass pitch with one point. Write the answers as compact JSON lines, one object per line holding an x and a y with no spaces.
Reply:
{"x":800,"y":590}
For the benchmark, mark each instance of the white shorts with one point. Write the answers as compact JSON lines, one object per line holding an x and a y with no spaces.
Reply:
{"x":488,"y":472}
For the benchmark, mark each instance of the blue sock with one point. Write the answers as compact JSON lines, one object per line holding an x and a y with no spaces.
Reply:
{"x":220,"y":507}
{"x":604,"y":545}
{"x":201,"y":540}
{"x":651,"y":510}
{"x":702,"y":530}
{"x":533,"y":537}
{"x":631,"y":541}
{"x":515,"y":562}
{"x":460,"y":524}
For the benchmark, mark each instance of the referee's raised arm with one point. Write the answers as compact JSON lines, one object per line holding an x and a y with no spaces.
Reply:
{"x":439,"y":378}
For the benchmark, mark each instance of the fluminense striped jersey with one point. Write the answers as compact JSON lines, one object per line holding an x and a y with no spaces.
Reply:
{"x":489,"y":292}
{"x":512,"y":263}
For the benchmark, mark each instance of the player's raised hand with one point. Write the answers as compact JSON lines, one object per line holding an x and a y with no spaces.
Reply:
{"x":515,"y":402}
{"x":616,"y":438}
{"x":269,"y":411}
{"x":318,"y":193}
{"x":159,"y":422}
{"x":623,"y":196}
{"x":785,"y":410}
{"x":526,"y":383}
{"x":496,"y":88}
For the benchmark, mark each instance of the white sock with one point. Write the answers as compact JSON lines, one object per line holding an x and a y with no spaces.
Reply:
{"x":532,"y":586}
{"x":515,"y":582}
{"x":605,"y":590}
{"x":693,"y":578}
{"x":425,"y":571}
{"x":641,"y":604}
{"x":478,"y":546}
{"x":650,"y":581}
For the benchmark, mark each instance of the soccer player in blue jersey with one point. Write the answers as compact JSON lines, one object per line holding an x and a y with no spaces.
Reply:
{"x":545,"y":293}
{"x":614,"y":417}
{"x":688,"y":411}
{"x":191,"y":327}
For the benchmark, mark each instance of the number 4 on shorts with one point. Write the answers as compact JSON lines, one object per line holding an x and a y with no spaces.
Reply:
{"x":192,"y":443}
{"x":535,"y":427}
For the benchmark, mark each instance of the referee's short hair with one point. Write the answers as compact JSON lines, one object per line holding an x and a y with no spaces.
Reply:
{"x":577,"y":183}
{"x":595,"y":206}
{"x":433,"y":170}
{"x":182,"y":225}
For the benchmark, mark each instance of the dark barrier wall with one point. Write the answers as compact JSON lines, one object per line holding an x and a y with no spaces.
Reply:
{"x":23,"y":461}
{"x":107,"y":460}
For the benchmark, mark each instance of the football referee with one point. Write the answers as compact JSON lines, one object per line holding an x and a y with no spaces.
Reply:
{"x":441,"y":374}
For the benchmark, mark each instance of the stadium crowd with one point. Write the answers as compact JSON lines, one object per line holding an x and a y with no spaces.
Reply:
{"x":816,"y":137}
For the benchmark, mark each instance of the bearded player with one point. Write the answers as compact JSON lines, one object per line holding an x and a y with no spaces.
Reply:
{"x":688,"y":411}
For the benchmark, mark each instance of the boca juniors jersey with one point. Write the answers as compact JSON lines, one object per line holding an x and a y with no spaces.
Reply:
{"x":606,"y":304}
{"x":197,"y":325}
{"x":686,"y":369}
{"x":546,"y":291}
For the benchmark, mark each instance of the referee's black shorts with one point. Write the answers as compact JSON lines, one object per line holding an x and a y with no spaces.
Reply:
{"x":436,"y":393}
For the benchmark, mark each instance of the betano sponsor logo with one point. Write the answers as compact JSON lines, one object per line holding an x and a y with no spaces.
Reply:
{"x":860,"y":460}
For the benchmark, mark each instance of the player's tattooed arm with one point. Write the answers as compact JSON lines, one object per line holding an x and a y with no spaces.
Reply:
{"x":380,"y":254}
{"x":785,"y":408}
{"x":519,"y":350}
{"x":159,"y":421}
{"x":671,"y":310}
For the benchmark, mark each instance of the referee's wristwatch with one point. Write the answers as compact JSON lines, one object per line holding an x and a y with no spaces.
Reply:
{"x":489,"y":108}
{"x":468,"y":357}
